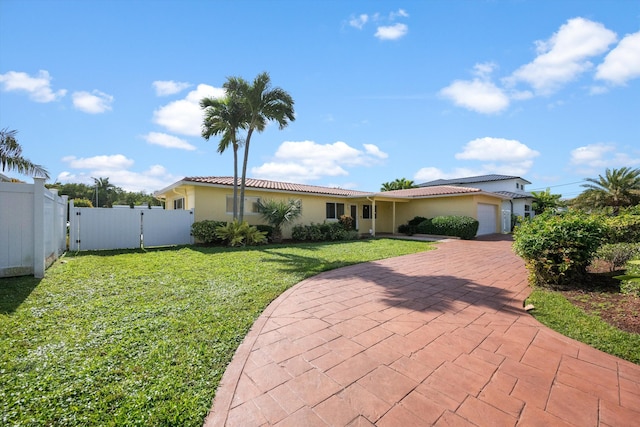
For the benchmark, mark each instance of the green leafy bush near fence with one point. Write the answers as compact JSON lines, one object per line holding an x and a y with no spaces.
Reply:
{"x":326,"y":231}
{"x":205,"y":231}
{"x":623,"y":228}
{"x":618,"y":254}
{"x":464,"y":227}
{"x":559,"y":248}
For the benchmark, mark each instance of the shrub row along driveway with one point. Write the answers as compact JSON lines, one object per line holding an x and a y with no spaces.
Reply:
{"x":436,"y":338}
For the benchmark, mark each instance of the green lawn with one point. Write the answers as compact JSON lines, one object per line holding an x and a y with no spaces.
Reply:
{"x":143,"y":338}
{"x":555,"y":311}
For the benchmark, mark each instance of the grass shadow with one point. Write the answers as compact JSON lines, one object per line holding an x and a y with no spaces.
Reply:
{"x":14,"y":291}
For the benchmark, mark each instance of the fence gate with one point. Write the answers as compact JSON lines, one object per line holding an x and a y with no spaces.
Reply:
{"x":124,"y":228}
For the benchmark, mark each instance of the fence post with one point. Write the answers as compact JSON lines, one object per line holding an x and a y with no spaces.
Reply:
{"x":38,"y":228}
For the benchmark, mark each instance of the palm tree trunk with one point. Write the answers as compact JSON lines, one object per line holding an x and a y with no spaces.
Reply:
{"x":235,"y":182}
{"x":244,"y":173}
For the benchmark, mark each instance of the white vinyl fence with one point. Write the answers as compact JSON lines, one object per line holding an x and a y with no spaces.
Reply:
{"x":125,"y":228}
{"x":32,"y":228}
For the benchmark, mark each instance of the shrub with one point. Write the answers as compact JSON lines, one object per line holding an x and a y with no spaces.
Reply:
{"x":623,"y":228}
{"x":411,"y":227}
{"x":347,"y":222}
{"x":425,"y":227}
{"x":205,"y":231}
{"x":82,"y":203}
{"x":631,"y":280}
{"x":558,"y":248}
{"x":267,"y":229}
{"x":240,"y":234}
{"x":618,"y":254}
{"x":323,"y":232}
{"x":464,"y":227}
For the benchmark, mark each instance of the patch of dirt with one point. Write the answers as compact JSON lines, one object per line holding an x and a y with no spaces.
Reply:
{"x":601,"y":296}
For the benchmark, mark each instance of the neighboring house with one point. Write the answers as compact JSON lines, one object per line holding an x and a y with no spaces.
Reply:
{"x":517,"y":201}
{"x":212,"y":198}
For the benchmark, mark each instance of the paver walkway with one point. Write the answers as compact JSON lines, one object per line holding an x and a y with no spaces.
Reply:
{"x":435,"y":338}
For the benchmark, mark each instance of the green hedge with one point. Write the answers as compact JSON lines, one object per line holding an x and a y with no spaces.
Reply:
{"x":331,"y":231}
{"x":205,"y":231}
{"x":463,"y":227}
{"x":623,"y":228}
{"x":559,"y":248}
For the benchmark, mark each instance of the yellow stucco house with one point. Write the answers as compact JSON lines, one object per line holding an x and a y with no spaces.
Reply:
{"x":375,"y":213}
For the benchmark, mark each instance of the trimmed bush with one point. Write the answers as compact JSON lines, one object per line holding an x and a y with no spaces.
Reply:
{"x":332,"y":231}
{"x":464,"y":227}
{"x":411,"y":227}
{"x":268,"y":229}
{"x":623,"y":228}
{"x":558,"y":248}
{"x":205,"y":231}
{"x":82,"y":203}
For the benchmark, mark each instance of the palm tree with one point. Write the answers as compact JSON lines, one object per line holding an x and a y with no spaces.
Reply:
{"x":398,"y":184}
{"x":11,"y":156}
{"x":261,"y":104}
{"x":103,"y":192}
{"x":544,"y":200}
{"x":225,"y":117}
{"x":278,"y":213}
{"x":618,"y":188}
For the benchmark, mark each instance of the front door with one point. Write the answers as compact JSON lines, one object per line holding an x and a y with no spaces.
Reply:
{"x":354,"y":215}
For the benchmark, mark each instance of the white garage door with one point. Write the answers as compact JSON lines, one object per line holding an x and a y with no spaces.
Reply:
{"x":487,"y":219}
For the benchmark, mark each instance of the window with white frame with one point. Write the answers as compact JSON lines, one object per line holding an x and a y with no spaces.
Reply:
{"x":178,"y":204}
{"x":250,"y":205}
{"x":335,"y":210}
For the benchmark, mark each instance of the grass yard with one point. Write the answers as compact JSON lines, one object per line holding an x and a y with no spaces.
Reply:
{"x":143,"y":338}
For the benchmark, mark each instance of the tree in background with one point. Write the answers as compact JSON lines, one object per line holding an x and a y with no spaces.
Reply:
{"x":86,"y":192}
{"x":398,"y":184}
{"x":616,"y":189}
{"x":11,"y":156}
{"x":260,"y":104}
{"x":225,"y":117}
{"x":544,"y":200}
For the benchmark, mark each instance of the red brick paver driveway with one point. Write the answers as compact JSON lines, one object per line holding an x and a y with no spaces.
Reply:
{"x":436,"y":338}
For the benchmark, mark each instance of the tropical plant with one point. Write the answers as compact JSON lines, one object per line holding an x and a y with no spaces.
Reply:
{"x":225,"y":117}
{"x":260,"y":104}
{"x":104,"y":192}
{"x":237,"y":233}
{"x":279,"y":213}
{"x":398,"y":184}
{"x":631,"y":280}
{"x":617,"y":188}
{"x":11,"y":156}
{"x":544,"y":200}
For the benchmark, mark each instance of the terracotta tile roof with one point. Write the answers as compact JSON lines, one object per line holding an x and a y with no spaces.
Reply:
{"x":278,"y":186}
{"x":441,"y":190}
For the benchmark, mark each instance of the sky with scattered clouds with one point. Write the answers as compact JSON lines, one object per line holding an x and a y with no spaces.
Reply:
{"x":548,"y":91}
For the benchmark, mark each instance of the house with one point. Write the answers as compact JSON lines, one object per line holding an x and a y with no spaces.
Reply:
{"x":374,"y":213}
{"x":517,"y":201}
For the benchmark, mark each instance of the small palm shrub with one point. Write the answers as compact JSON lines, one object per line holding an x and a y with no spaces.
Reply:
{"x":205,"y":231}
{"x":558,"y":248}
{"x":278,"y":213}
{"x":240,"y":234}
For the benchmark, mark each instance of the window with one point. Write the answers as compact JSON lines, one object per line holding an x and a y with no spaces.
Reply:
{"x":366,"y":211}
{"x":335,"y":210}
{"x":178,"y":203}
{"x":527,"y":208}
{"x":250,"y":204}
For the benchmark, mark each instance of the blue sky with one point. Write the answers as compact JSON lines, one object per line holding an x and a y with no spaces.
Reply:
{"x":546,"y":90}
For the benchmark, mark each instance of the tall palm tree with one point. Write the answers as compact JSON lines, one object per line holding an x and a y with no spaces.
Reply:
{"x":103,"y":192}
{"x":261,"y":104}
{"x":618,"y":188}
{"x":225,"y":116}
{"x":11,"y":156}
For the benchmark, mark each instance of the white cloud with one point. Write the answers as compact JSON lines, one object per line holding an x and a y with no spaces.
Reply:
{"x":305,"y":161}
{"x":623,"y":62}
{"x":168,"y":141}
{"x":38,"y":88}
{"x":401,"y":13}
{"x":599,"y":156}
{"x":112,"y":162}
{"x":498,"y":155}
{"x":117,"y":169}
{"x":496,"y":150}
{"x":564,"y":56}
{"x":359,"y":21}
{"x":392,"y":32}
{"x":169,"y":87}
{"x":93,"y":103}
{"x":477,"y":95}
{"x":184,"y":116}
